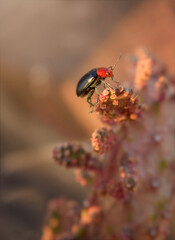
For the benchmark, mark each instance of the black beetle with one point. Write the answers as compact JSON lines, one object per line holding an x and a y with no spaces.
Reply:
{"x":90,"y":81}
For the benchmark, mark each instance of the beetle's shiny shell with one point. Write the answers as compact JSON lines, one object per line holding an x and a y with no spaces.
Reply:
{"x":87,"y":82}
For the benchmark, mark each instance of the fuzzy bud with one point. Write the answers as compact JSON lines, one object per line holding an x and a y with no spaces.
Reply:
{"x":128,"y":173}
{"x":143,"y":68}
{"x":71,"y":155}
{"x":143,"y":72}
{"x":115,"y":106}
{"x":61,"y":215}
{"x":103,"y":140}
{"x":161,"y":88}
{"x":117,"y":191}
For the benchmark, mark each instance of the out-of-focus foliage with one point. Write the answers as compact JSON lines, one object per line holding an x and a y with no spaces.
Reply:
{"x":130,"y":171}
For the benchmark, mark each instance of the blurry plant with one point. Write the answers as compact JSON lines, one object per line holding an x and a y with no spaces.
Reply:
{"x":131,"y":170}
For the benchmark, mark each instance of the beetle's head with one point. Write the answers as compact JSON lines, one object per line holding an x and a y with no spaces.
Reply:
{"x":109,"y":72}
{"x":105,"y":72}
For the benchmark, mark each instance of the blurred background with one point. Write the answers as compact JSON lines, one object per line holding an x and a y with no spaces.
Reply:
{"x":46,"y":46}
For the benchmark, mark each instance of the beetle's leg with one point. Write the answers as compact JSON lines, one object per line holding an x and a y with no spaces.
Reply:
{"x":114,"y":80}
{"x":92,"y":109}
{"x":106,"y":83}
{"x":97,"y":100}
{"x":97,"y":92}
{"x":89,"y":98}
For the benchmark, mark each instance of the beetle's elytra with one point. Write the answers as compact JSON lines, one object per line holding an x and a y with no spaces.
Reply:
{"x":87,"y":82}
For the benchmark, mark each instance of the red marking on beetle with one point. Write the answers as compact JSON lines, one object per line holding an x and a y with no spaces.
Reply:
{"x":105,"y":72}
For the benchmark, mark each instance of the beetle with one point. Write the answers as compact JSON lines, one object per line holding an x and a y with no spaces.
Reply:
{"x":88,"y":84}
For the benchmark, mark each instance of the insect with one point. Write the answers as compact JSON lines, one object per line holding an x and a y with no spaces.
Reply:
{"x":88,"y":84}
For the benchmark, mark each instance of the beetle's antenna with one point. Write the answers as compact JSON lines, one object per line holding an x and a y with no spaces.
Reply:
{"x":116,"y":62}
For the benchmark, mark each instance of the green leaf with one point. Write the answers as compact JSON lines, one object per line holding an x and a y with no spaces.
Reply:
{"x":160,"y":205}
{"x":163,"y":165}
{"x":109,"y":229}
{"x":80,"y":234}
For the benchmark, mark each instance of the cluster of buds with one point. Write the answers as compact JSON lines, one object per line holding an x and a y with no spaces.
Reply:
{"x":115,"y":106}
{"x":112,"y":188}
{"x":117,"y":191}
{"x":143,"y":69}
{"x":128,"y":172}
{"x":132,"y":185}
{"x":143,"y":72}
{"x":61,"y":216}
{"x":75,"y":156}
{"x":161,"y":88}
{"x":103,"y":140}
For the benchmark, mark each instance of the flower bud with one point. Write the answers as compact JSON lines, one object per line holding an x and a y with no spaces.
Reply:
{"x":71,"y":155}
{"x":103,"y":140}
{"x":119,"y":105}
